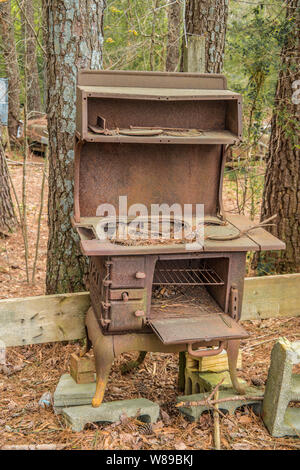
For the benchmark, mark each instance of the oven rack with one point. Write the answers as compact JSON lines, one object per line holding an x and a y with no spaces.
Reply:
{"x":172,"y":273}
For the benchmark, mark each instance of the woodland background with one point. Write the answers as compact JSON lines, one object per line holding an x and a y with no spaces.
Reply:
{"x":255,"y":44}
{"x":42,"y":45}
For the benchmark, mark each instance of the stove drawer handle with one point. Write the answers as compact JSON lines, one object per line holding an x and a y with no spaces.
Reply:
{"x":139,"y":313}
{"x":205,"y":352}
{"x":140,"y":275}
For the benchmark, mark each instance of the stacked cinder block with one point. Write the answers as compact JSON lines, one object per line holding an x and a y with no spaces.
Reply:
{"x":282,"y":387}
{"x":201,"y":377}
{"x":74,"y":393}
{"x":204,"y":373}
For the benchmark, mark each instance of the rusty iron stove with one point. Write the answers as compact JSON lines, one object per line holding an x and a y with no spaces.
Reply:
{"x":160,"y":138}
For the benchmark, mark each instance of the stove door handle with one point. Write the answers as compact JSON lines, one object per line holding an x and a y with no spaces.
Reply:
{"x":140,"y":275}
{"x":205,"y":352}
{"x":139,"y":313}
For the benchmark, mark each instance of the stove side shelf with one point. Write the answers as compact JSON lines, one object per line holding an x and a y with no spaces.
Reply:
{"x":264,"y":239}
{"x":224,"y":137}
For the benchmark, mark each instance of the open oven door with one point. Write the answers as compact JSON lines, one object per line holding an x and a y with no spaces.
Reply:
{"x":194,"y":329}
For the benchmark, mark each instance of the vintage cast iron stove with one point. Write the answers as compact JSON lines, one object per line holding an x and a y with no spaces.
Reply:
{"x":160,"y":138}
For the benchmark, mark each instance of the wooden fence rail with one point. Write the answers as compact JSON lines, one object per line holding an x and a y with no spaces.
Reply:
{"x":60,"y":317}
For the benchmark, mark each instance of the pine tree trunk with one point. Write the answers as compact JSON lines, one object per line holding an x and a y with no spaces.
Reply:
{"x":12,"y":68}
{"x":73,"y":41}
{"x":174,"y":26}
{"x":33,"y":87}
{"x":8,"y":219}
{"x":206,"y":23}
{"x":282,"y":181}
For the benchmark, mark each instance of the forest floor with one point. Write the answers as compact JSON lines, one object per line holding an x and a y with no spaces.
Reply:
{"x":39,"y":367}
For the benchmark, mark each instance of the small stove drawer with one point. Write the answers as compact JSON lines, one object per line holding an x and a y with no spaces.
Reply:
{"x":127,"y":294}
{"x":127,"y":271}
{"x":127,"y":316}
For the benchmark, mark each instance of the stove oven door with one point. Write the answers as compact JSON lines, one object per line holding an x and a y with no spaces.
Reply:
{"x":212,"y":327}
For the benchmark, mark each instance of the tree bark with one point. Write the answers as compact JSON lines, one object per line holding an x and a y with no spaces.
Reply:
{"x":205,"y":27}
{"x":174,"y":27}
{"x":12,"y":68}
{"x":8,"y":219}
{"x":282,"y":181}
{"x":33,"y":86}
{"x":73,"y":41}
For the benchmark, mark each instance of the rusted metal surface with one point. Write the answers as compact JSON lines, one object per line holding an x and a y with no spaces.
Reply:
{"x":206,"y":352}
{"x":209,"y":327}
{"x":190,"y":118}
{"x":139,"y":171}
{"x":162,"y":80}
{"x":185,"y":274}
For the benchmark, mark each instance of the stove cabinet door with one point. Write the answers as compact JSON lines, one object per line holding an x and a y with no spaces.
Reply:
{"x":127,"y":316}
{"x":127,"y":272}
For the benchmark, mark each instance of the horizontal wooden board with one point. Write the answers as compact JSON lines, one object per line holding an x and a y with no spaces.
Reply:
{"x":43,"y":319}
{"x":271,"y":296}
{"x":60,"y":317}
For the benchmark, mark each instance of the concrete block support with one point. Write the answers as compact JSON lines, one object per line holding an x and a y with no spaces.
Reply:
{"x":200,"y":382}
{"x":282,"y":387}
{"x":193,"y":413}
{"x":78,"y":416}
{"x":69,"y":393}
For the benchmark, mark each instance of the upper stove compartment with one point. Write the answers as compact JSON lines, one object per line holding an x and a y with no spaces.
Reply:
{"x":156,"y":107}
{"x":190,"y":118}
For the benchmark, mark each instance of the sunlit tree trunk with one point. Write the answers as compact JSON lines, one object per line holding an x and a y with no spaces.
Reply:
{"x":282,"y":182}
{"x":33,"y":87}
{"x":73,"y":41}
{"x":174,"y":28}
{"x":8,"y":219}
{"x":205,"y":32}
{"x":12,"y":67}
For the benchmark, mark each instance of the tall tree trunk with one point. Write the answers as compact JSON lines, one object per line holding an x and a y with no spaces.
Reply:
{"x":73,"y":41}
{"x":33,"y":87}
{"x":12,"y":67}
{"x":282,"y":182}
{"x":174,"y":27}
{"x":205,"y":31}
{"x":8,"y":219}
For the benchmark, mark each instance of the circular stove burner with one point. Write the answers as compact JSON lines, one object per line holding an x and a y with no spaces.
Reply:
{"x":142,"y":228}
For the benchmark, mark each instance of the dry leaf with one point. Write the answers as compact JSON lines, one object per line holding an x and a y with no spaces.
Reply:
{"x":165,"y":417}
{"x":180,"y":446}
{"x":245,"y":419}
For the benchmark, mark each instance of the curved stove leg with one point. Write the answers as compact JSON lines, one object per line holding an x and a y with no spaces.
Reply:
{"x":130,"y":365}
{"x":104,"y":357}
{"x":232,"y":353}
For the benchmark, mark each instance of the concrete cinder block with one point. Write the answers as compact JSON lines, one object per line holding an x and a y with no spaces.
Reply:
{"x":282,"y":387}
{"x":200,"y":382}
{"x":78,"y":416}
{"x":69,"y":393}
{"x":193,"y":413}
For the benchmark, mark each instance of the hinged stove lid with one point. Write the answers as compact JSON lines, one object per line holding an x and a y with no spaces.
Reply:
{"x":210,"y":327}
{"x":147,"y":174}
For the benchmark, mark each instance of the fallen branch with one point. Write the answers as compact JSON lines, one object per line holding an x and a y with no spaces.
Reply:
{"x":212,"y":394}
{"x":211,"y":403}
{"x":15,"y":162}
{"x":216,"y":416}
